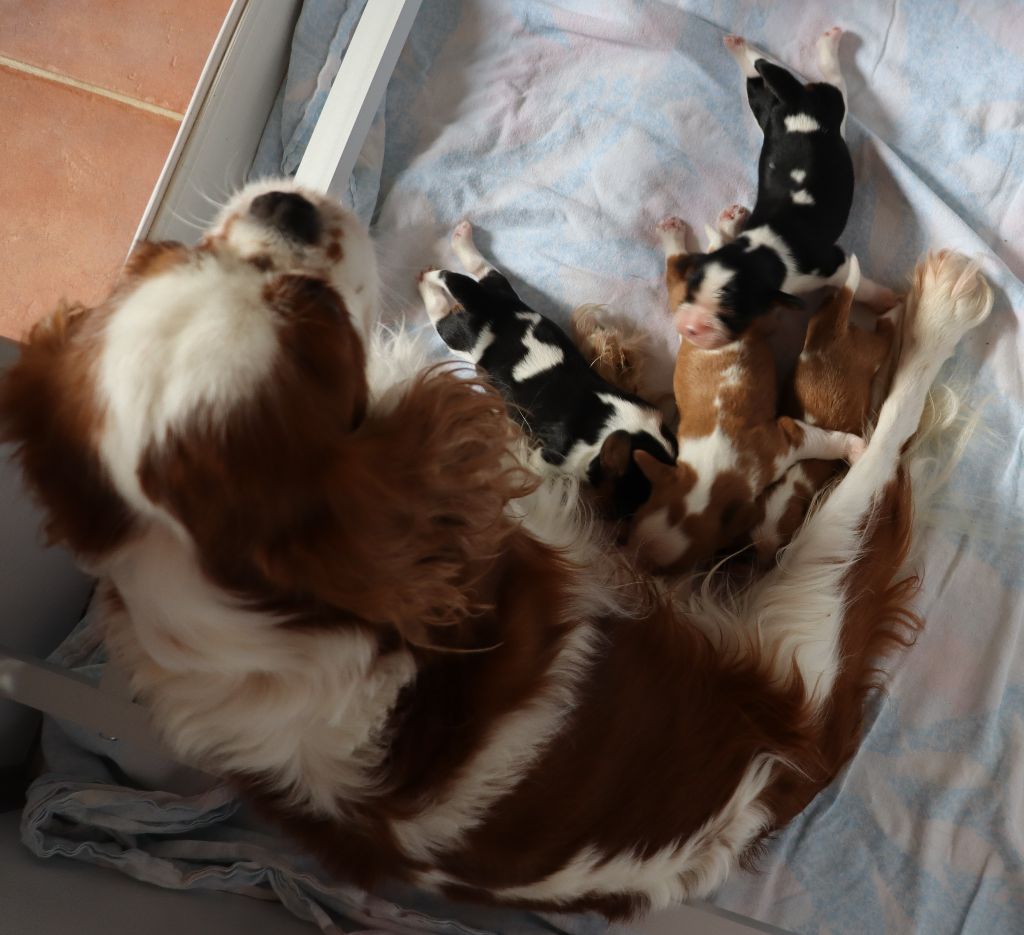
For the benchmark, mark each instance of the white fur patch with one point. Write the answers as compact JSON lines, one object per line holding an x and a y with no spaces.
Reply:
{"x":233,"y":690}
{"x":766,"y":535}
{"x":710,"y":456}
{"x":513,"y":747}
{"x":483,"y":341}
{"x":798,"y":176}
{"x":437,"y":300}
{"x":801,"y":123}
{"x":198,"y":337}
{"x":658,"y":540}
{"x":716,"y":278}
{"x":802,"y":197}
{"x":627,"y":416}
{"x":354,"y":275}
{"x":688,"y":869}
{"x":764,"y":236}
{"x":540,"y":356}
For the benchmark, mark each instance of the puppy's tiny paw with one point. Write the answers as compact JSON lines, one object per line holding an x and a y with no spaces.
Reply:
{"x":734,"y":42}
{"x":672,"y":225}
{"x":855,"y":447}
{"x":462,"y":230}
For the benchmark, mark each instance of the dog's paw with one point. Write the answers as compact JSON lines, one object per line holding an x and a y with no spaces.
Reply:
{"x":731,"y":220}
{"x":953,"y":297}
{"x":855,"y":447}
{"x":672,"y":231}
{"x":672,"y":225}
{"x":463,"y":231}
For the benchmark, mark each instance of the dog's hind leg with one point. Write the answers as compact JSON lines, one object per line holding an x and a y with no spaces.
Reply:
{"x":437,"y":300}
{"x":476,"y":265}
{"x":761,"y":99}
{"x":796,"y":612}
{"x":466,"y":250}
{"x":828,"y":62}
{"x":728,"y":227}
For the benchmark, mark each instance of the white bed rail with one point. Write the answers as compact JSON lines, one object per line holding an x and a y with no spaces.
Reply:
{"x":211,"y":155}
{"x":356,"y":94}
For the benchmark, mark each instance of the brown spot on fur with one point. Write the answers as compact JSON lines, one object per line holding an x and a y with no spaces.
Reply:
{"x":48,"y":409}
{"x":677,"y":268}
{"x":262,"y":262}
{"x":334,"y":251}
{"x":152,"y":258}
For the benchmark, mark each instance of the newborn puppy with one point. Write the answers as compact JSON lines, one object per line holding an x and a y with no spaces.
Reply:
{"x":805,"y":190}
{"x":585,"y":425}
{"x":832,"y":386}
{"x":732,"y":444}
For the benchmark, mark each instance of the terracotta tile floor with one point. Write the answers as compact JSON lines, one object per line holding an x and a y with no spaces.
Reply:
{"x":77,"y":166}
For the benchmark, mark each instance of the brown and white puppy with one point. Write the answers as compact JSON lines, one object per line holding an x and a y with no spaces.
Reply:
{"x":832,"y":386}
{"x":330,"y":582}
{"x":732,"y":443}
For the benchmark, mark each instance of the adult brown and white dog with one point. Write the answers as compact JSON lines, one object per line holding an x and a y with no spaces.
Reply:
{"x":330,"y":580}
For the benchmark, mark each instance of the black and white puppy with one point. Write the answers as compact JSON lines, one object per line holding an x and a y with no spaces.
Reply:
{"x":805,"y":190}
{"x":585,"y":426}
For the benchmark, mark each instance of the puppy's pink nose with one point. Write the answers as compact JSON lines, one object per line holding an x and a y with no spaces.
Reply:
{"x":700,"y":326}
{"x":692,"y":320}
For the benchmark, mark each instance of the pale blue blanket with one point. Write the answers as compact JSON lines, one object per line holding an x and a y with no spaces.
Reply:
{"x":564,"y":130}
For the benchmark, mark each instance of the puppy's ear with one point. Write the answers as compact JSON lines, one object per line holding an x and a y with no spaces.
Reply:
{"x":615,"y":452}
{"x":779,"y":81}
{"x":788,"y":301}
{"x":653,"y":469}
{"x":398,"y":523}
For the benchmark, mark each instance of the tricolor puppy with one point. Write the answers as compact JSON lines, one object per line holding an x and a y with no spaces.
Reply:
{"x":805,"y":189}
{"x":832,"y":386}
{"x":586,"y":426}
{"x":732,"y":445}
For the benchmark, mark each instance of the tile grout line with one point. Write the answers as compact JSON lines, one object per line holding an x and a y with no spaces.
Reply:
{"x":57,"y":78}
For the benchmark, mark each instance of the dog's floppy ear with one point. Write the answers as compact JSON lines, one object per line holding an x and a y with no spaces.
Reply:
{"x":652,"y":468}
{"x":413,"y":512}
{"x":49,"y":412}
{"x":615,"y":454}
{"x":779,"y":81}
